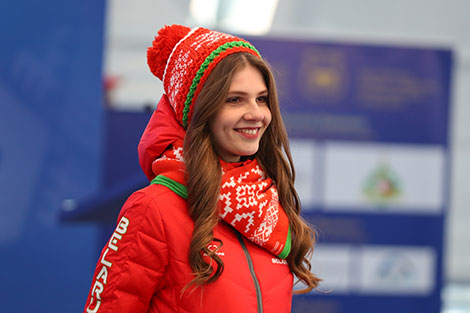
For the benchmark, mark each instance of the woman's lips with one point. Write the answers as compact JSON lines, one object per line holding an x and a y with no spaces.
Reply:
{"x":250,"y":133}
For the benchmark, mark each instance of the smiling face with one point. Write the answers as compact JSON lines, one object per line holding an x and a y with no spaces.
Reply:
{"x":243,"y":117}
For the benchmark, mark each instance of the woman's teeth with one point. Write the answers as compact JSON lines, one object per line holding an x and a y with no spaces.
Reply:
{"x":248,"y":131}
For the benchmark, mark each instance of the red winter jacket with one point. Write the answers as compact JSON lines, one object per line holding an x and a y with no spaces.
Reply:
{"x":144,"y":267}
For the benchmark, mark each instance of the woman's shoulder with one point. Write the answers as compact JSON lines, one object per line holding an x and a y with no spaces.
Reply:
{"x":161,"y":211}
{"x":155,"y":200}
{"x":157,"y":193}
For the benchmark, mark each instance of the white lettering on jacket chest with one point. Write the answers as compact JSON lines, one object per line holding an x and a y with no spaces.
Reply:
{"x":279,"y":261}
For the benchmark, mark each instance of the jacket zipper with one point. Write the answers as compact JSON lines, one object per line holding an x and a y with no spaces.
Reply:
{"x":259,"y":300}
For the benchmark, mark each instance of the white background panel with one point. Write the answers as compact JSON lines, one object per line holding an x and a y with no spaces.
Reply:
{"x":332,"y":263}
{"x":305,"y":156}
{"x":397,"y":270}
{"x":417,"y":170}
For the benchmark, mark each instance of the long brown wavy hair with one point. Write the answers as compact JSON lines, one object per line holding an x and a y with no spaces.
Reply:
{"x":204,"y":174}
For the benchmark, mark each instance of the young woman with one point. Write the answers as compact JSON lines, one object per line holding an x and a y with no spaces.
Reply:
{"x":219,"y":227}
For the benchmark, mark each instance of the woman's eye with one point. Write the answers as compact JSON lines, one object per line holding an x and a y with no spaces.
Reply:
{"x":262,"y":99}
{"x":234,"y":99}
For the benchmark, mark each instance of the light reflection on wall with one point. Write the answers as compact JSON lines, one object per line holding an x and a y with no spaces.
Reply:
{"x":237,"y":16}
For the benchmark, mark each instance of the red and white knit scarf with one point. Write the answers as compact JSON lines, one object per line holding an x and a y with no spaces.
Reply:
{"x":248,"y":200}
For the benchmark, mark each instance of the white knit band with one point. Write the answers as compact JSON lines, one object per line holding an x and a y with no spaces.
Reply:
{"x":174,"y":49}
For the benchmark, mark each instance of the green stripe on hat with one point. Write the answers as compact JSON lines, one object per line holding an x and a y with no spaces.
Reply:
{"x":203,"y":68}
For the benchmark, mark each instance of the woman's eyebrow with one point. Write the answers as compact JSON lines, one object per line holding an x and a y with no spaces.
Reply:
{"x":239,"y":92}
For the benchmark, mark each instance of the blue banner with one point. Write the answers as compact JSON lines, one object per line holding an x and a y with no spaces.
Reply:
{"x":362,"y":92}
{"x":369,"y":135}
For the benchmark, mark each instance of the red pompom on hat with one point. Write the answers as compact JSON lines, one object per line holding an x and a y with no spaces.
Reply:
{"x":158,"y":54}
{"x":182,"y":58}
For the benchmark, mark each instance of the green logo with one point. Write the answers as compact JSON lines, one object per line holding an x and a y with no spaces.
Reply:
{"x":382,"y":185}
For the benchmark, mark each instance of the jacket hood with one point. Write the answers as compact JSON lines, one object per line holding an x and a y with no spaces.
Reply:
{"x":162,"y":131}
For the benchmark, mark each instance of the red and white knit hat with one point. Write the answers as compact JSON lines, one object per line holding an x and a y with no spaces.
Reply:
{"x":182,"y":58}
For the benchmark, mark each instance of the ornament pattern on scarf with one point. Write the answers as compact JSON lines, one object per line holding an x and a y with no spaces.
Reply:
{"x":248,"y":200}
{"x":265,"y":229}
{"x":175,"y":154}
{"x":256,"y":210}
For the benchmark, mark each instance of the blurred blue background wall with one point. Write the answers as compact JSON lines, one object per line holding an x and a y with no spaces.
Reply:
{"x":50,"y":149}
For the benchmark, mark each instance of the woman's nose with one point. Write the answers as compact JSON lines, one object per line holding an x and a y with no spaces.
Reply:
{"x":253,"y":111}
